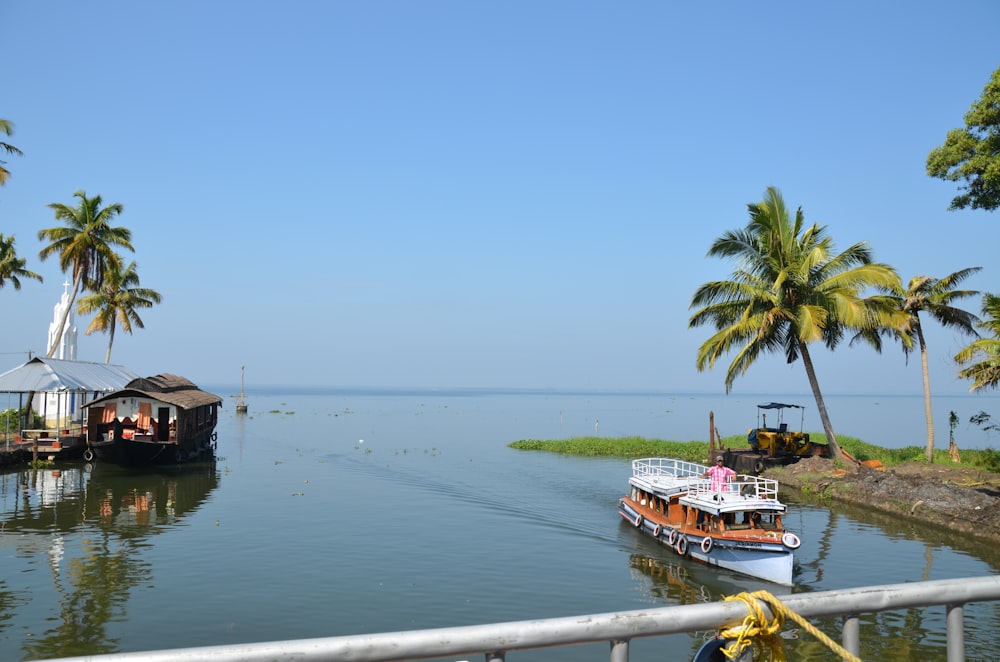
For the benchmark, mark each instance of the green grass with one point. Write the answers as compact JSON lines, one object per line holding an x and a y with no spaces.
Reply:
{"x":697,"y":451}
{"x":624,"y":447}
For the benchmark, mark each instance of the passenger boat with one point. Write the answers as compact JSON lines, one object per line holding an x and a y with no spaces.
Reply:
{"x":734,"y":525}
{"x":164,"y":419}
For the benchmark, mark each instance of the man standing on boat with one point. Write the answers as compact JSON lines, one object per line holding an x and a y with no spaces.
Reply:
{"x":720,"y":474}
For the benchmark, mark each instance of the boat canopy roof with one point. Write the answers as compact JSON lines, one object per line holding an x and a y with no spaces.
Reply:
{"x":168,"y":388}
{"x":778,"y":405}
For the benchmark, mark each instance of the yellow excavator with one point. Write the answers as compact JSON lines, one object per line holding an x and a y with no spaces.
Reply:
{"x":776,"y":439}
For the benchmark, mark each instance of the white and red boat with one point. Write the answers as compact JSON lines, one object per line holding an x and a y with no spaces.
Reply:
{"x":734,"y":524}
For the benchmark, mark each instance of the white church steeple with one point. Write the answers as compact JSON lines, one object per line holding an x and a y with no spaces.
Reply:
{"x":67,"y":346}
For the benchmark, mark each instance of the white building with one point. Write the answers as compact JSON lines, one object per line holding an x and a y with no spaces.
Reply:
{"x":61,"y":410}
{"x":67,"y":345}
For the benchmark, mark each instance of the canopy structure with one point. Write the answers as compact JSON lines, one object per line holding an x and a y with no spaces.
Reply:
{"x":45,"y":375}
{"x":167,"y":388}
{"x":778,"y":405}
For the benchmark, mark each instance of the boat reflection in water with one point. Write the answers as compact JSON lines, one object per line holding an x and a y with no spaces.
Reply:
{"x":131,"y":502}
{"x":90,"y":525}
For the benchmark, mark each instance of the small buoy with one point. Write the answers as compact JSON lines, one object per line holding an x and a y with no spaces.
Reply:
{"x":706,"y":544}
{"x":638,"y":521}
{"x":790,"y":540}
{"x":656,"y":531}
{"x":682,"y":546}
{"x":672,"y":537}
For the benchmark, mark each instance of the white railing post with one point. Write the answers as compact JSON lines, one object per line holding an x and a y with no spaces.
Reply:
{"x":850,"y":634}
{"x":956,"y":632}
{"x":619,"y":651}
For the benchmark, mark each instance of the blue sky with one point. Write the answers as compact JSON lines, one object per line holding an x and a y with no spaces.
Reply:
{"x":446,"y":194}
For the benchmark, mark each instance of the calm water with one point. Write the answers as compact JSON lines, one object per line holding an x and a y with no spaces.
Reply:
{"x":338,"y":513}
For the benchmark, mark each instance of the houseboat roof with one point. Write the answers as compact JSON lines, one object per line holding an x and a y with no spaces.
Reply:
{"x":45,"y":375}
{"x":172,"y":389}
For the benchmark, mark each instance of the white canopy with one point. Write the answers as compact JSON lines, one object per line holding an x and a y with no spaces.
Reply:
{"x":44,"y":375}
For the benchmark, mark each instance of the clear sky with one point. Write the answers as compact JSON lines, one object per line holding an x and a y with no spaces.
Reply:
{"x":481,"y":194}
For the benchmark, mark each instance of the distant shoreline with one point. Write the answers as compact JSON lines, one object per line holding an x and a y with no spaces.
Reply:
{"x":460,"y":391}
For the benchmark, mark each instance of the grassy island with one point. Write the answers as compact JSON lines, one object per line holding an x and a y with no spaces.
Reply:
{"x":697,"y":451}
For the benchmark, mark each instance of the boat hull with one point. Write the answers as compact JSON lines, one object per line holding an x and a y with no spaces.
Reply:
{"x":132,"y":452}
{"x":770,"y":561}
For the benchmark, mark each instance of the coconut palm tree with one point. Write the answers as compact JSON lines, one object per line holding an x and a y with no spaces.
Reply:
{"x":84,"y":246}
{"x":789,"y":290}
{"x":934,"y":297}
{"x":982,"y":357}
{"x":12,"y":266}
{"x":117,"y":302}
{"x":7,"y":127}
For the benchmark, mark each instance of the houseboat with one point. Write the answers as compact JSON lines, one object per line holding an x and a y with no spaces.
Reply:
{"x":733,"y":523}
{"x":164,"y":419}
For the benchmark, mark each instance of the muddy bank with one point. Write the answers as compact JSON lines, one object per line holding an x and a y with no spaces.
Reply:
{"x":959,"y":499}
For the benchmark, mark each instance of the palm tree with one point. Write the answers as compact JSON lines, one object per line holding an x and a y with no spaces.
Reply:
{"x":84,"y":245}
{"x":117,"y":302}
{"x":7,"y":127}
{"x":982,"y":357}
{"x":12,"y":266}
{"x":934,"y":297}
{"x":789,"y":291}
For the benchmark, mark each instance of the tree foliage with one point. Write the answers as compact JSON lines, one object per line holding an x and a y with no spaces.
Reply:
{"x":12,"y":267}
{"x":85,"y":246}
{"x":972,"y":155}
{"x":981,"y":359}
{"x":7,"y":128}
{"x":790,"y":289}
{"x":935,"y":298}
{"x":117,"y":302}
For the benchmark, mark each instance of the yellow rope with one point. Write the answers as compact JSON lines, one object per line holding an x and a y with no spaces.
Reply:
{"x":755,"y":628}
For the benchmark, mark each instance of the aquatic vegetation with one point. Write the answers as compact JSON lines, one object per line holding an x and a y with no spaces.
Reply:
{"x":626,"y":447}
{"x":697,"y":451}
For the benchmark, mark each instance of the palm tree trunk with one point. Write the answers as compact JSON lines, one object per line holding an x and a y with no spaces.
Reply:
{"x":831,"y":439}
{"x":111,"y":340}
{"x":929,"y":452}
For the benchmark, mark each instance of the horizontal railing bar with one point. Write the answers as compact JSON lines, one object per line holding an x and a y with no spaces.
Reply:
{"x":573,"y":630}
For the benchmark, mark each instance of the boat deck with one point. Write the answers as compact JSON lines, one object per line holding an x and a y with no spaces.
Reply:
{"x":667,"y":477}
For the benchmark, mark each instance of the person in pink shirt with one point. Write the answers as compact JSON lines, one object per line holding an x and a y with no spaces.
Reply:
{"x":720,"y":474}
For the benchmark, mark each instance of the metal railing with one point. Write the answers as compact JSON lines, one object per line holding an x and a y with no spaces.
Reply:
{"x":496,"y":640}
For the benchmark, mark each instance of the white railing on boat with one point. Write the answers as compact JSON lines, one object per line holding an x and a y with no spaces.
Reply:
{"x":689,"y":476}
{"x":495,"y":640}
{"x":653,"y":467}
{"x":750,"y":487}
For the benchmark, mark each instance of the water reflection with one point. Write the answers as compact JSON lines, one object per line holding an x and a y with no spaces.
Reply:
{"x":131,"y":503}
{"x":895,"y":635}
{"x":87,"y":526}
